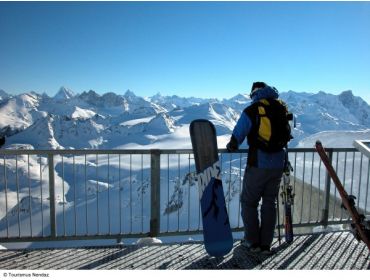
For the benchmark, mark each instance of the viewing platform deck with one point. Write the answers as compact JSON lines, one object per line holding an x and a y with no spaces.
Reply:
{"x":85,"y":195}
{"x":321,"y":251}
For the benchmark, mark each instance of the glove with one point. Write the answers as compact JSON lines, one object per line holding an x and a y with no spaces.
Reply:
{"x":232,"y":146}
{"x":2,"y":140}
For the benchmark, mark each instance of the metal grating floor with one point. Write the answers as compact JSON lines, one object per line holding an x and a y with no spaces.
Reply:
{"x":336,"y":250}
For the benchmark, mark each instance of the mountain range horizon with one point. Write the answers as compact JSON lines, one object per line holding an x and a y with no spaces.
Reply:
{"x":90,"y":120}
{"x":71,"y":93}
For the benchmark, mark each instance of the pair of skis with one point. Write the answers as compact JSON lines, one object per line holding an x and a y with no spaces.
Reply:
{"x":287,"y":197}
{"x":360,"y":227}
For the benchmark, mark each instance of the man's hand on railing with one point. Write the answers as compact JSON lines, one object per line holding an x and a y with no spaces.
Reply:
{"x":232,"y":146}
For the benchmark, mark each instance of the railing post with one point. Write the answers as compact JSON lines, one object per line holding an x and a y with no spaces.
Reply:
{"x":325,"y":210}
{"x":52,"y":195}
{"x":155,"y":173}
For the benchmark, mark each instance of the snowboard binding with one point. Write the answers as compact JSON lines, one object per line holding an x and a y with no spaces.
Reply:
{"x":364,"y":225}
{"x":351,"y":201}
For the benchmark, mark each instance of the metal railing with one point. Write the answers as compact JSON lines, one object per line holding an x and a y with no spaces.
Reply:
{"x":98,"y":194}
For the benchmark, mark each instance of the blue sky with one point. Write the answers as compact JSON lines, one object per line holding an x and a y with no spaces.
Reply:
{"x":205,"y":49}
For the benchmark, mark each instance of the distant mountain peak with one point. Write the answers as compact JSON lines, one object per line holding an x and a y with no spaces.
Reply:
{"x":129,"y":94}
{"x":64,"y":94}
{"x":92,"y":92}
{"x":348,"y":99}
{"x":346,"y":95}
{"x":3,"y":95}
{"x":241,"y":96}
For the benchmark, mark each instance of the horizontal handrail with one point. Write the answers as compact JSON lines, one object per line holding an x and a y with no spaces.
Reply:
{"x":140,"y":151}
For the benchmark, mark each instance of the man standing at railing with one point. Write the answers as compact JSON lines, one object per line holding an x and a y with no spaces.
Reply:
{"x":263,"y":125}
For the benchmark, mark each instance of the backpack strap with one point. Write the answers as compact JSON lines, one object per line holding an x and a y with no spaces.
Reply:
{"x":252,"y":113}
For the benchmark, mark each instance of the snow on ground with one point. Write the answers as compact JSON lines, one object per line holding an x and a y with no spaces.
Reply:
{"x":137,"y":121}
{"x":179,"y":139}
{"x":334,"y":139}
{"x":80,"y":113}
{"x":148,"y":241}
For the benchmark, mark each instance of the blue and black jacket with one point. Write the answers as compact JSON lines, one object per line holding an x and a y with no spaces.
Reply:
{"x":243,"y":127}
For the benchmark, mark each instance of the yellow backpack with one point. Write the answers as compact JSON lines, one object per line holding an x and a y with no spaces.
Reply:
{"x":270,"y":130}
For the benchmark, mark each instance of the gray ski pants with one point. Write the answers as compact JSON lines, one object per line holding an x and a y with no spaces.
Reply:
{"x":260,"y":183}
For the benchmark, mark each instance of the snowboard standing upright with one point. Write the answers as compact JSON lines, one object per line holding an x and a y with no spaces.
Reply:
{"x":218,"y":240}
{"x":360,"y":226}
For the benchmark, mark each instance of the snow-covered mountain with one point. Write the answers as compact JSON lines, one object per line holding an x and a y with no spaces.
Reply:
{"x":92,"y":120}
{"x":64,"y":93}
{"x":356,"y":106}
{"x":176,"y":102}
{"x":3,"y":96}
{"x":19,"y":112}
{"x":238,"y":102}
{"x":326,"y":112}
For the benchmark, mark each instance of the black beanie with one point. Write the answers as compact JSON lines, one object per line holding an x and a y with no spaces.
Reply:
{"x":258,"y":85}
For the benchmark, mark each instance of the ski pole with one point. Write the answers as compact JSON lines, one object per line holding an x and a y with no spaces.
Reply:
{"x":278,"y":219}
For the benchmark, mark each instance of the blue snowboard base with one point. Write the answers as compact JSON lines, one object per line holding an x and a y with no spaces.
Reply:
{"x":218,"y":239}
